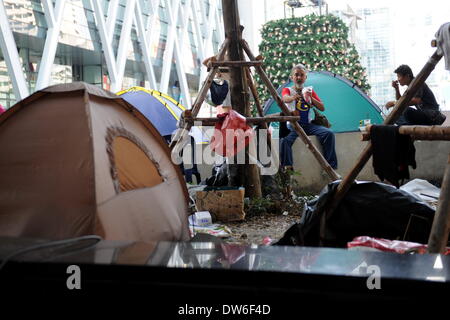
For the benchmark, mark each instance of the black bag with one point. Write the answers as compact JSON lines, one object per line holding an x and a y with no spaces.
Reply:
{"x":320,"y":119}
{"x":218,"y":92}
{"x":439,"y":118}
{"x":284,"y":130}
{"x":219,"y":177}
{"x":369,"y":208}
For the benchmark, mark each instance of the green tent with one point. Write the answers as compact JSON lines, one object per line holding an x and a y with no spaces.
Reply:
{"x":345,"y":104}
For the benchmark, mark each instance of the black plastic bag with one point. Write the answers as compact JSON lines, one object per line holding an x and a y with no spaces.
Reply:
{"x":368,"y":209}
{"x":219,"y":177}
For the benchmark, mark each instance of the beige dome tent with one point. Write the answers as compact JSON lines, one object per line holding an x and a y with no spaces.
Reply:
{"x":78,"y":160}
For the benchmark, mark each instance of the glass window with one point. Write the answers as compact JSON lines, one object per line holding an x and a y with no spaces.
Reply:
{"x":74,"y":26}
{"x":7,"y":98}
{"x":25,"y":17}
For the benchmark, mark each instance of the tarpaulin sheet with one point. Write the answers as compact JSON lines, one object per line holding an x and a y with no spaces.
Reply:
{"x":368,"y":209}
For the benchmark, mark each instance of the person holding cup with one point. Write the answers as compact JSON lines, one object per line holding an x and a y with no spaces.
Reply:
{"x":300,"y":100}
{"x":426,"y":109}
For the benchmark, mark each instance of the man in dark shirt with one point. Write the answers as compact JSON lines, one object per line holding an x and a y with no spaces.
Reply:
{"x":427,"y":109}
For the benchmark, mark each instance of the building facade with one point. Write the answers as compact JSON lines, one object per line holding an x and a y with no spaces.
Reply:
{"x":377,"y":49}
{"x":395,"y":33}
{"x":114,"y":44}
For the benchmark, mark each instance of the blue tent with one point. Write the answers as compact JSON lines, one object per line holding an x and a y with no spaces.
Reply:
{"x":162,"y":110}
{"x":345,"y":104}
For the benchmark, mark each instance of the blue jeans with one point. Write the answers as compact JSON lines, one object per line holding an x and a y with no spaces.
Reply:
{"x":326,"y":139}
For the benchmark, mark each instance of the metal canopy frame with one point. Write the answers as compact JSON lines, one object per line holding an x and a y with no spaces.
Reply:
{"x":179,"y":15}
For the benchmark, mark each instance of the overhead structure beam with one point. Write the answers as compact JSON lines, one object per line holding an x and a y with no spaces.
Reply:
{"x":106,"y":45}
{"x":142,"y":32}
{"x":179,"y":14}
{"x":53,"y":17}
{"x":124,"y":44}
{"x":11,"y":56}
{"x":111,"y":19}
{"x":173,"y":49}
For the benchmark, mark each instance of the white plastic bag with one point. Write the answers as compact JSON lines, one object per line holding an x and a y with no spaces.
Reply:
{"x":307,"y":93}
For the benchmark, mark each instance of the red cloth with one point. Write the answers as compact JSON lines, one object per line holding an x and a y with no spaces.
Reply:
{"x":390,"y":245}
{"x":231,"y":135}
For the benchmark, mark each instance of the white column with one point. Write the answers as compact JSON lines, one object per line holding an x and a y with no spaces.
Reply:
{"x":198,"y":19}
{"x":111,"y":19}
{"x":181,"y":72}
{"x":207,"y":48}
{"x":151,"y":24}
{"x":124,"y":42}
{"x":106,"y":45}
{"x":11,"y":56}
{"x":219,"y":26}
{"x":198,"y":30}
{"x":171,"y":39}
{"x":208,"y":40}
{"x":53,"y":18}
{"x":144,"y":46}
{"x":179,"y":46}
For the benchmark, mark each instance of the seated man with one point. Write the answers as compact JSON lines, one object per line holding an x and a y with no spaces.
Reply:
{"x":301,"y":104}
{"x":426,"y":108}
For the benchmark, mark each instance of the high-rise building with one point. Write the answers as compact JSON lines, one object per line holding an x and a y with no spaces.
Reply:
{"x":115,"y":44}
{"x":395,"y":33}
{"x":389,"y":33}
{"x":376,"y":48}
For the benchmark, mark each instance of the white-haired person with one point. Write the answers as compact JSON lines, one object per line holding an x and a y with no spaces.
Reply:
{"x":300,"y":104}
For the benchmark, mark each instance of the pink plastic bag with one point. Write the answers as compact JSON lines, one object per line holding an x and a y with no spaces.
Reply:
{"x":231,"y":253}
{"x":231,"y":135}
{"x":390,"y":245}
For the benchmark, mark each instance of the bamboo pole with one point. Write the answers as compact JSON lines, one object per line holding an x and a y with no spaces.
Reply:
{"x":252,"y":87}
{"x":180,"y":134}
{"x":240,"y":174}
{"x":323,"y":163}
{"x":400,"y":106}
{"x":418,"y":132}
{"x":441,"y":224}
{"x":234,"y":63}
{"x":263,"y":120}
{"x":259,"y":108}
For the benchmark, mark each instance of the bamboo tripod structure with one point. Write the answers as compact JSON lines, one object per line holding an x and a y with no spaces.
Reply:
{"x":177,"y":142}
{"x":441,"y":224}
{"x":443,"y":214}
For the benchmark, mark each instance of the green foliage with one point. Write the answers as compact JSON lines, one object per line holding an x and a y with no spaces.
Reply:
{"x":318,"y":42}
{"x":286,"y":183}
{"x":259,"y":206}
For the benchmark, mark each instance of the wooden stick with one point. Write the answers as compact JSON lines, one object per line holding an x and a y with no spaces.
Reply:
{"x":252,"y":87}
{"x":212,"y":121}
{"x":400,"y":106}
{"x":180,"y":134}
{"x":246,"y":175}
{"x":264,"y":125}
{"x":441,"y":224}
{"x":234,"y":63}
{"x":418,"y":132}
{"x":301,"y":133}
